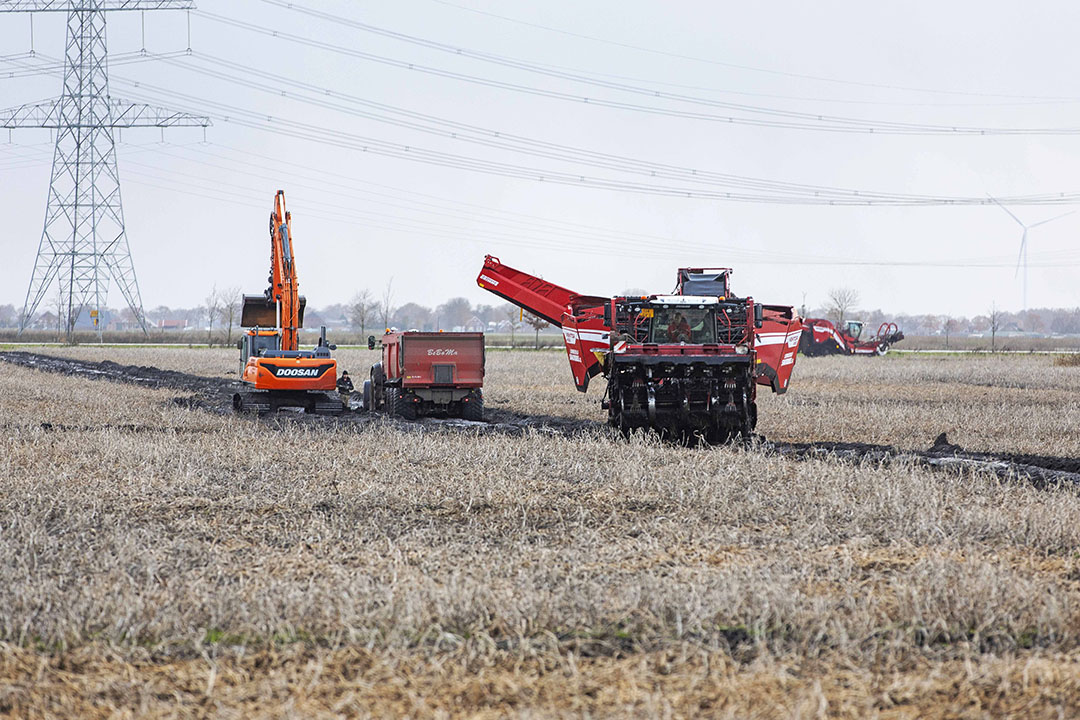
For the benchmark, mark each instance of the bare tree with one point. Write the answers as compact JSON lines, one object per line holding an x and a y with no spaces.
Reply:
{"x":948,"y":327}
{"x":386,"y":305}
{"x":841,"y":300}
{"x":412,"y":316}
{"x":212,"y":309}
{"x":360,"y":309}
{"x":513,"y":314}
{"x":65,"y":326}
{"x":456,"y":311}
{"x":995,"y":318}
{"x":537,"y":323}
{"x":232,"y":302}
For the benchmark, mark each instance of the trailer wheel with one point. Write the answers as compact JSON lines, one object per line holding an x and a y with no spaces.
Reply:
{"x":398,"y":404}
{"x":366,"y":397}
{"x":473,"y":408}
{"x":378,"y":387}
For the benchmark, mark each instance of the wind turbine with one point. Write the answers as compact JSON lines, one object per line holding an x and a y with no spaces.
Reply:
{"x":1021,"y":259}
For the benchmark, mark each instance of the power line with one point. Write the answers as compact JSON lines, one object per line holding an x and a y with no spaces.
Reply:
{"x":734,"y":66}
{"x":745,"y":188}
{"x":57,"y":66}
{"x":332,"y":212}
{"x":811,"y":121}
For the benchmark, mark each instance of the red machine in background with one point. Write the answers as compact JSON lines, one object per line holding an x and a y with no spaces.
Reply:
{"x":821,"y":337}
{"x":271,"y":362}
{"x":684,"y":364}
{"x":428,"y":373}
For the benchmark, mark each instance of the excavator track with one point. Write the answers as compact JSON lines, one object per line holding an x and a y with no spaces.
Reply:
{"x":269,"y":402}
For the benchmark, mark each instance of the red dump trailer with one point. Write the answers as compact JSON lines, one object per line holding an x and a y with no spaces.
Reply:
{"x":428,"y":373}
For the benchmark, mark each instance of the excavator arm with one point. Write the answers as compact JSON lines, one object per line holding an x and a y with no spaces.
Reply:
{"x":281,"y":305}
{"x":284,"y":286}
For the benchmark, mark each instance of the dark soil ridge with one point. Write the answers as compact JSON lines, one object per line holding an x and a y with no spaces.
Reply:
{"x":211,"y":393}
{"x":1042,"y":470}
{"x":215,"y":395}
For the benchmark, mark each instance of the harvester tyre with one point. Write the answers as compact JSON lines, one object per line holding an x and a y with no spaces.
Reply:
{"x":473,"y":409}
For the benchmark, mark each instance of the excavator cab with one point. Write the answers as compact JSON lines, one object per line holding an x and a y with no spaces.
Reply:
{"x":257,"y":342}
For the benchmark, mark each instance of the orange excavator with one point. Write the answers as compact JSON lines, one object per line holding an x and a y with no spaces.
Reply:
{"x":278,"y":373}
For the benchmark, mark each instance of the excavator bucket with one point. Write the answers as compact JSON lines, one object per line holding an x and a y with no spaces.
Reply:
{"x":257,"y":312}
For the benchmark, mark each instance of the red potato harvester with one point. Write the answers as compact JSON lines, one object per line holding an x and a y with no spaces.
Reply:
{"x":685,"y":364}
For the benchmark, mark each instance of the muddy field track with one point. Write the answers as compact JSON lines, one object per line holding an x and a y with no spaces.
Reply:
{"x":215,"y":395}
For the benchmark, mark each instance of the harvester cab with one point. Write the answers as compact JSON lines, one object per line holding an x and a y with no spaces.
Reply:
{"x":853,"y":328}
{"x":278,"y":373}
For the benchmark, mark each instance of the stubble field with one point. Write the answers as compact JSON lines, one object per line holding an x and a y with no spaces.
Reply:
{"x":159,"y":559}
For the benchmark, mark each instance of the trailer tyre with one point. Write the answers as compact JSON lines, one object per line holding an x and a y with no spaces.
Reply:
{"x":366,"y":397}
{"x":378,"y":387}
{"x":474,"y":408}
{"x":398,"y":404}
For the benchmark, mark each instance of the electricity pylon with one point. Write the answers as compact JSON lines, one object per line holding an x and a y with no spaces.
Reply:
{"x":84,"y":245}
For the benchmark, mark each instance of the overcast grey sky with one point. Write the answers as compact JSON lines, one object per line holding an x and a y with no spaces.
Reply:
{"x":196,"y":212}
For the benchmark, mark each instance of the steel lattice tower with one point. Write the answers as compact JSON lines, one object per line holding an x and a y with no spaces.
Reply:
{"x":84,"y":245}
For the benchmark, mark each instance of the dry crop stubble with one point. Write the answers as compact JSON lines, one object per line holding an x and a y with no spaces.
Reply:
{"x":236,"y":566}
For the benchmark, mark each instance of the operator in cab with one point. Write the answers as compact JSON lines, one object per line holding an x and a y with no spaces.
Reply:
{"x":678,"y":329}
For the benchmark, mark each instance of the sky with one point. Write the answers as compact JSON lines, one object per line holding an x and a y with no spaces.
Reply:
{"x":296,"y":94}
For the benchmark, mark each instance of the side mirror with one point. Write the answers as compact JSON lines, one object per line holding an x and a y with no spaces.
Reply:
{"x":759,"y":315}
{"x":239,"y":344}
{"x":370,"y":342}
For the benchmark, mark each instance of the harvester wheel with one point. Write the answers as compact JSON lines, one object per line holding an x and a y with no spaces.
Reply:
{"x":749,"y":421}
{"x":473,"y":409}
{"x":717,"y":435}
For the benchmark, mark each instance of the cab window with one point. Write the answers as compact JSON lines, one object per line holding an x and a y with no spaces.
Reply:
{"x":695,"y":326}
